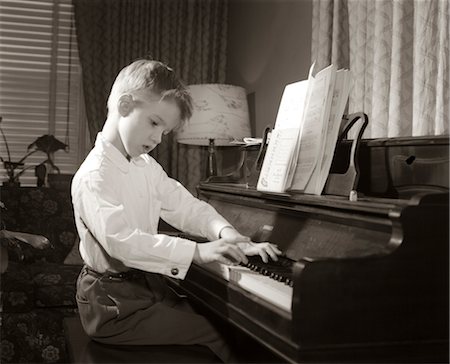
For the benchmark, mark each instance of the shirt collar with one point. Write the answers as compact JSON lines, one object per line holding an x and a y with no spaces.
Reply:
{"x":113,"y":154}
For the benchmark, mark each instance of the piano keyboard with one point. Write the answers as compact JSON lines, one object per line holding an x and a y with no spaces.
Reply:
{"x":271,"y":281}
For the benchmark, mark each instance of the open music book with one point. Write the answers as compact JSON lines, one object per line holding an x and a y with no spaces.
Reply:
{"x":302,"y":143}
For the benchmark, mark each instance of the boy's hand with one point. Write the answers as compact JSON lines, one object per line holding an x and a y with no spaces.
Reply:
{"x":219,"y":250}
{"x":264,"y":250}
{"x":231,"y":235}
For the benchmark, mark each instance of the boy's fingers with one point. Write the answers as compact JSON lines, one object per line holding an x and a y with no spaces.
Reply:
{"x":275,"y":249}
{"x":235,"y":253}
{"x":242,"y":254}
{"x":272,"y":254}
{"x":264,"y":256}
{"x":241,"y":258}
{"x":224,"y":260}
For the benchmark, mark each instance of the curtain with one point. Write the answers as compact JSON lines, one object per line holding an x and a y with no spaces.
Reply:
{"x":398,"y":52}
{"x":188,"y":35}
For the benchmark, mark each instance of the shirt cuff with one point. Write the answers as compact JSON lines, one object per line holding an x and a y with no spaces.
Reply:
{"x":181,"y":258}
{"x":220,"y":232}
{"x":215,"y":228}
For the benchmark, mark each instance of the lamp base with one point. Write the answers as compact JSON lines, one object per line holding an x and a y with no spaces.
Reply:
{"x":238,"y":176}
{"x":211,"y":167}
{"x":229,"y":178}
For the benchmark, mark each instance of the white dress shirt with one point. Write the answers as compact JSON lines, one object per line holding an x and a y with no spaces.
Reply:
{"x":117,"y":205}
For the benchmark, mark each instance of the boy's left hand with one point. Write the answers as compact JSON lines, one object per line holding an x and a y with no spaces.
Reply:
{"x":264,"y":250}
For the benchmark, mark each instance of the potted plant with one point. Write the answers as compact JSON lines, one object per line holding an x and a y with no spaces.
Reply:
{"x":47,"y":144}
{"x":13,"y":169}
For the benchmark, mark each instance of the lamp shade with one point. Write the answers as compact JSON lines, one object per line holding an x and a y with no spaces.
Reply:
{"x":220,"y":113}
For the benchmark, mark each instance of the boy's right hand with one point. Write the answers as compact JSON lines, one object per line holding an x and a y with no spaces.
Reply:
{"x":221,"y":251}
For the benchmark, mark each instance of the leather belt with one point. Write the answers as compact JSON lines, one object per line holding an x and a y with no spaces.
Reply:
{"x":131,"y":274}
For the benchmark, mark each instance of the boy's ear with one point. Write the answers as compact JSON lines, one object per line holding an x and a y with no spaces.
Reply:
{"x":125,"y":105}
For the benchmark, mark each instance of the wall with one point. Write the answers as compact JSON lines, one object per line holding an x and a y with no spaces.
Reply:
{"x":269,"y":46}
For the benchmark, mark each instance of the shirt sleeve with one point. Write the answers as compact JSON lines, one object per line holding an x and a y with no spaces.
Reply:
{"x":99,"y":210}
{"x":187,"y":213}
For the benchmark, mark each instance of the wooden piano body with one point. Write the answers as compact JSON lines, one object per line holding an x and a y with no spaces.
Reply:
{"x":370,"y":278}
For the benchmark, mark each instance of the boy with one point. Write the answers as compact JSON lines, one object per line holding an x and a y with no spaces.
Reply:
{"x":118,"y":195}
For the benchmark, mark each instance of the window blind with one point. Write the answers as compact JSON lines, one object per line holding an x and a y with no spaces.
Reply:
{"x":38,"y":52}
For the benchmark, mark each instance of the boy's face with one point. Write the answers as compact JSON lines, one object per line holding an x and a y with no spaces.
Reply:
{"x":143,"y":121}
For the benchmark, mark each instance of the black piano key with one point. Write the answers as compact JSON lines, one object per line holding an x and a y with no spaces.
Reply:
{"x":280,"y":270}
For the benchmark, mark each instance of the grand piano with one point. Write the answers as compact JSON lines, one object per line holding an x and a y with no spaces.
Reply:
{"x":358,"y":281}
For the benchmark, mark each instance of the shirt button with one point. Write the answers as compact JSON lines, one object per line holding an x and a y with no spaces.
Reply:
{"x":174,"y":271}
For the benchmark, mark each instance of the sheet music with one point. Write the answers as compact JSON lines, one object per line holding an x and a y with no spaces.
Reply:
{"x":278,"y":158}
{"x":311,"y":141}
{"x":292,"y":105}
{"x":281,"y":151}
{"x":302,"y":144}
{"x":340,"y":97}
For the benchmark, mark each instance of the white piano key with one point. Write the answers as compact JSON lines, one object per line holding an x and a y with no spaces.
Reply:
{"x":275,"y":292}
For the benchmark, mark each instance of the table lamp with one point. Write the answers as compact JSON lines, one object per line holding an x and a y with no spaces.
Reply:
{"x":220,"y":115}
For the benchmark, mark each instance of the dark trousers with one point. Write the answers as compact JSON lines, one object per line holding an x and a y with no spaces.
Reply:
{"x":141,"y":309}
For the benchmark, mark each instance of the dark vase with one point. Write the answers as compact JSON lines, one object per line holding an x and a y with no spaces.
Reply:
{"x":11,"y":184}
{"x":59,"y":181}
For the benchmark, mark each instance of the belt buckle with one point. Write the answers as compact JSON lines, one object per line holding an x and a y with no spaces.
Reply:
{"x":115,"y":276}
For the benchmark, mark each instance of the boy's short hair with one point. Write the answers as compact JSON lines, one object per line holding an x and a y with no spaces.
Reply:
{"x":154,"y":76}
